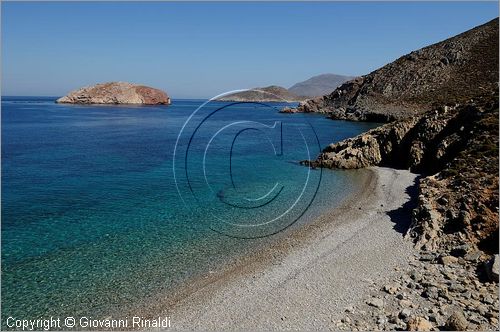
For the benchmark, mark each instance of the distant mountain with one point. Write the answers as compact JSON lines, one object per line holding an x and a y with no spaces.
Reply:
{"x":319,"y":85}
{"x":266,"y":94}
{"x":313,"y":87}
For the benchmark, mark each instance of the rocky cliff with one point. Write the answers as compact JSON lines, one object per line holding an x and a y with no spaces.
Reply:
{"x":451,"y":71}
{"x":116,"y":93}
{"x":271,"y":93}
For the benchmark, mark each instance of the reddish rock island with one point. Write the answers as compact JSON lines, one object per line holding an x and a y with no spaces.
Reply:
{"x":116,"y":93}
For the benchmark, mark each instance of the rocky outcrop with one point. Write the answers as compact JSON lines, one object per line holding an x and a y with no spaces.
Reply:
{"x":271,"y":93}
{"x":116,"y":93}
{"x":452,"y":71}
{"x":457,"y":147}
{"x":288,"y":110}
{"x":373,"y":148}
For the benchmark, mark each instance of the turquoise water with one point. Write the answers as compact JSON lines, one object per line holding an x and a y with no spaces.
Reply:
{"x":105,"y":206}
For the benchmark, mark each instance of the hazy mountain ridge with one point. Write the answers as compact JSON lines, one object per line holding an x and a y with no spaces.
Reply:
{"x":271,"y":93}
{"x":312,"y":87}
{"x":319,"y":85}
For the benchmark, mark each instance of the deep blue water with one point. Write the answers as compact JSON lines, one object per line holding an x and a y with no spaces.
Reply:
{"x":99,"y":213}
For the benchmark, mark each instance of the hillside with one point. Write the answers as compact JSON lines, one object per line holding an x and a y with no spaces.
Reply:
{"x":447,"y":131}
{"x":271,"y":93}
{"x":319,"y":85}
{"x":454,"y":70}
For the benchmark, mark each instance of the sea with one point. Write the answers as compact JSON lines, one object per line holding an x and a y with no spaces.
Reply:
{"x":107,"y":206}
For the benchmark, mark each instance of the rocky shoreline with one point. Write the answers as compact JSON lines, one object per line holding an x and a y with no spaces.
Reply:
{"x":354,"y":281}
{"x":444,"y":127}
{"x":453,"y":282}
{"x":457,"y":149}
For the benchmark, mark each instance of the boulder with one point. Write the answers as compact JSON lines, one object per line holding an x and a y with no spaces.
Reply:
{"x":448,"y":260}
{"x":493,"y":267}
{"x":376,"y":302}
{"x":457,"y":322}
{"x":419,"y":324}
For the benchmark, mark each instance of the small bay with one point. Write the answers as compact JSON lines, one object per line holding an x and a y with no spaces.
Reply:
{"x":99,"y":213}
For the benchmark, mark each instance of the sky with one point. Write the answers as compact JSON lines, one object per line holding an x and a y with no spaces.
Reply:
{"x":199,"y":50}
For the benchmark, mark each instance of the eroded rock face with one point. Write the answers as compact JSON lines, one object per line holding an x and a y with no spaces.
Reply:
{"x":116,"y":93}
{"x":372,"y":148}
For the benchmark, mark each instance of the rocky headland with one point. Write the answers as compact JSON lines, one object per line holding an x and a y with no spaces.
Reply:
{"x":116,"y":93}
{"x":456,"y":150}
{"x":271,"y":93}
{"x":443,"y":104}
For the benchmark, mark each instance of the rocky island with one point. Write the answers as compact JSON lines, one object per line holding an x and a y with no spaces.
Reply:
{"x":116,"y":93}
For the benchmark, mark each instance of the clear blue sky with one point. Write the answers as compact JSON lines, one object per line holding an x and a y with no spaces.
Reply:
{"x":203,"y":49}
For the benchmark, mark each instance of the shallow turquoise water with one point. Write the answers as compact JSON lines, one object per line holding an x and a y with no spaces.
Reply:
{"x":104,"y":206}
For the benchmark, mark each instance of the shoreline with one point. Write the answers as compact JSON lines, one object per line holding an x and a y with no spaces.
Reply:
{"x":315,"y":271}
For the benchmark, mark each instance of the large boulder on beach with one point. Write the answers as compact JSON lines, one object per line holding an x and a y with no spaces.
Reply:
{"x":116,"y":93}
